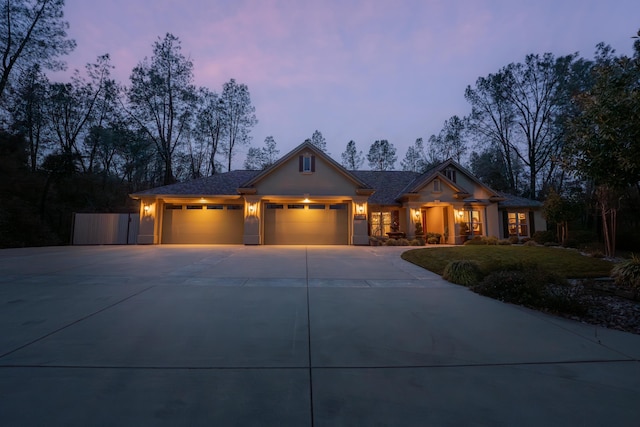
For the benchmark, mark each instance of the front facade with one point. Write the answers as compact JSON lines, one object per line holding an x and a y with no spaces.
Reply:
{"x":306,"y":198}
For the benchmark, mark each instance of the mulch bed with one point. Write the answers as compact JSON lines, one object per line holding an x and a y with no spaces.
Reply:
{"x":608,"y":306}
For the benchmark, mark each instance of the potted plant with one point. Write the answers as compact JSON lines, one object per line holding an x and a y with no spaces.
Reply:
{"x":419,"y":230}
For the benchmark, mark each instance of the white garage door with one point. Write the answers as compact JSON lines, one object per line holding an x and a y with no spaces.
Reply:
{"x":203,"y":224}
{"x":306,"y":224}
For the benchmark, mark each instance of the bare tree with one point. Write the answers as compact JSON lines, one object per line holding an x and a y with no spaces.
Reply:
{"x":162,"y":99}
{"x":238,"y":116}
{"x":27,"y":107}
{"x":32,"y":32}
{"x":210,"y":126}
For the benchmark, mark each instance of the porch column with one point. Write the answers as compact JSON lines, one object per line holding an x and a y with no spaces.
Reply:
{"x":252,"y":213}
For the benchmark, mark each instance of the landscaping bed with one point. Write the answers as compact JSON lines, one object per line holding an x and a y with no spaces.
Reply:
{"x":555,"y":280}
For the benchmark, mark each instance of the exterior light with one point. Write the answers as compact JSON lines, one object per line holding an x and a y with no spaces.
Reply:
{"x":360,"y":208}
{"x":252,"y":208}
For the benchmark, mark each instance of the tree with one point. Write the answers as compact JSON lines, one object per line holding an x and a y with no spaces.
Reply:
{"x":602,"y":137}
{"x":269,"y":151}
{"x":415,"y":159}
{"x":450,"y":143}
{"x":32,"y":32}
{"x":210,"y":126}
{"x":488,"y":166}
{"x":382,"y":155}
{"x":255,"y":159}
{"x":352,"y":159}
{"x":318,"y":140}
{"x":519,"y":110}
{"x":238,"y":116}
{"x":262,"y":158}
{"x":27,"y":107}
{"x":162,"y":99}
{"x":560,"y":211}
{"x":73,"y":108}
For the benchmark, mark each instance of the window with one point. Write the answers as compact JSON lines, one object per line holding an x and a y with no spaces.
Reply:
{"x":340,"y":206}
{"x":194,"y":207}
{"x":234,"y":207}
{"x":173,"y":207}
{"x":450,"y":174}
{"x":380,"y":223}
{"x":297,"y":206}
{"x":518,"y":224}
{"x":214,"y":207}
{"x":274,"y":206}
{"x":316,"y":206}
{"x":437,"y":186}
{"x":307,"y":163}
{"x":469,"y":221}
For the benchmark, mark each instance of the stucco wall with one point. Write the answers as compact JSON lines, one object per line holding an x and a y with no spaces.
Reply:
{"x":288,"y":180}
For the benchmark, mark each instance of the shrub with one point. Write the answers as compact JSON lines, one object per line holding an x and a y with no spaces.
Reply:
{"x":492,"y":240}
{"x":525,"y":284}
{"x":433,"y":240}
{"x":627,"y":273}
{"x":477,"y":240}
{"x":462,"y":272}
{"x":513,"y":286}
{"x":403,"y":242}
{"x":504,"y":242}
{"x":391,"y":242}
{"x":530,"y":243}
{"x":514,"y":240}
{"x":417,"y":242}
{"x":551,"y":244}
{"x":525,"y":239}
{"x":543,"y":237}
{"x":436,"y":235}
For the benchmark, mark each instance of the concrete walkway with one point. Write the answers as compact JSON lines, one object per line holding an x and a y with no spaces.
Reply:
{"x":290,"y":336}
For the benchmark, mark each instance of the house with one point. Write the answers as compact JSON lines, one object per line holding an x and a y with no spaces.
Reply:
{"x":307,"y":198}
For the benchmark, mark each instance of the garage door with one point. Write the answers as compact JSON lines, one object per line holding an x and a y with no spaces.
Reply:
{"x":203,"y":224}
{"x":306,"y":224}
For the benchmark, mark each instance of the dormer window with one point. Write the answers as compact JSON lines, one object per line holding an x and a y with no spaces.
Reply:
{"x":307,"y":163}
{"x":450,"y":173}
{"x":437,"y":186}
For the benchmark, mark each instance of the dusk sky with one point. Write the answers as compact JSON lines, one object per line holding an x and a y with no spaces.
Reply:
{"x":361,"y":70}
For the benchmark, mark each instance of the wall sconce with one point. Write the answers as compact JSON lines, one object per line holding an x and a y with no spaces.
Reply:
{"x":416,"y":214}
{"x":360,"y":208}
{"x":252,"y":208}
{"x":147,"y":209}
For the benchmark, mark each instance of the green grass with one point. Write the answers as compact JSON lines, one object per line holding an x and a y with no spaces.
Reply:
{"x":564,"y":262}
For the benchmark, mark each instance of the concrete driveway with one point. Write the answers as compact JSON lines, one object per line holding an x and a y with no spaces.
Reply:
{"x":290,"y":336}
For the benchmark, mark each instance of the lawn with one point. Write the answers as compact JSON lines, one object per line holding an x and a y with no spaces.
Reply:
{"x":565,"y":262}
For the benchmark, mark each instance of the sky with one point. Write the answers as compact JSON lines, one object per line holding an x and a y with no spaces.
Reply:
{"x":360,"y":70}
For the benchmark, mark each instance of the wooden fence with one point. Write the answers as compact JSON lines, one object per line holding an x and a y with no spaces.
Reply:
{"x":105,"y":229}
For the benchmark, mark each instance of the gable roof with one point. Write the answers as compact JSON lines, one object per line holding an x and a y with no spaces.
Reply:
{"x":306,"y":146}
{"x":437,"y":171}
